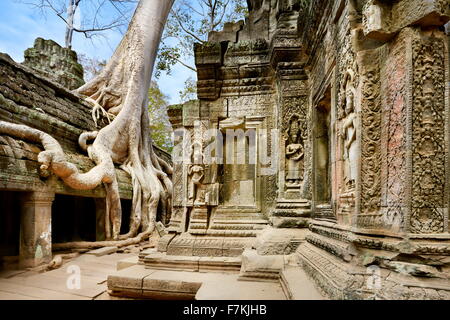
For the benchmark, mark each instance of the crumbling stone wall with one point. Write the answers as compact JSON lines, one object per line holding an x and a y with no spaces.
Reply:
{"x":382,"y":70}
{"x":55,"y":62}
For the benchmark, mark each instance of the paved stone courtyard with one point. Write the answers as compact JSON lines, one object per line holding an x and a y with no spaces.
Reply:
{"x":52,"y":285}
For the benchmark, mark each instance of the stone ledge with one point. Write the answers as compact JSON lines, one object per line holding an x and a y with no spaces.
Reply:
{"x":127,"y":263}
{"x":157,"y":260}
{"x":102,"y":251}
{"x":297,"y":286}
{"x":139,"y":282}
{"x":339,"y":280}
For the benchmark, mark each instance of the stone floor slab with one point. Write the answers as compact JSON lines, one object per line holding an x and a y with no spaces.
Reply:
{"x":102,"y":251}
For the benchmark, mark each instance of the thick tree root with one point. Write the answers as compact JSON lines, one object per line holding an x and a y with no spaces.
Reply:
{"x":121,"y":89}
{"x":100,"y":244}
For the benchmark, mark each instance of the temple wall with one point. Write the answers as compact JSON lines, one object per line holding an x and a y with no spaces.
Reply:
{"x":45,"y":204}
{"x":30,"y":99}
{"x":379,"y":72}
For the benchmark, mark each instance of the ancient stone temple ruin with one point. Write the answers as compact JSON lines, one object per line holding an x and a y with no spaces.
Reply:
{"x":38,"y":212}
{"x":322,"y":131}
{"x":317,"y":153}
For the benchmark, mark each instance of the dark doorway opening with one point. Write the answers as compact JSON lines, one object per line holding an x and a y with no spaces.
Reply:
{"x":322,"y":158}
{"x":9,"y":228}
{"x":73,"y":219}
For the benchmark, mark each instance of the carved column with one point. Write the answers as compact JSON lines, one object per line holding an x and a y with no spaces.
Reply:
{"x":368,"y":196}
{"x":404,"y":183}
{"x":176,"y":224}
{"x":293,"y":204}
{"x":36,"y":229}
{"x":428,"y":122}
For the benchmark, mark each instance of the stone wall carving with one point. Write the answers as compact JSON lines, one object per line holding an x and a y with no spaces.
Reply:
{"x":428,"y":135}
{"x":371,"y":136}
{"x":394,"y":134}
{"x":295,"y":134}
{"x":349,"y":133}
{"x":295,"y":151}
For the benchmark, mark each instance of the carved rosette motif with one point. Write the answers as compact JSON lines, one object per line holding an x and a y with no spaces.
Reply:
{"x":428,"y":136}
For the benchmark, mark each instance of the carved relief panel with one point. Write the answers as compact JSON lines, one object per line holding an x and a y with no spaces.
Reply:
{"x":429,"y":126}
{"x":294,"y":143}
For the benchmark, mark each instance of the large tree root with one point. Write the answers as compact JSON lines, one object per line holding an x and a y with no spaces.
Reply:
{"x":121,"y":89}
{"x":100,"y":244}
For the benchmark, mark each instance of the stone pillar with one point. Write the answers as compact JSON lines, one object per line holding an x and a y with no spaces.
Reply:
{"x":293,"y":203}
{"x":36,"y":229}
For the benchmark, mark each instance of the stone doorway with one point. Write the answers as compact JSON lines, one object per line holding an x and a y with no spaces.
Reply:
{"x":322,"y":158}
{"x":10,"y":226}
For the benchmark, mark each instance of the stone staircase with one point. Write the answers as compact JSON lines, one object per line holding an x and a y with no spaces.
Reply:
{"x":157,"y":275}
{"x":152,"y":259}
{"x":290,"y":213}
{"x":236,"y":223}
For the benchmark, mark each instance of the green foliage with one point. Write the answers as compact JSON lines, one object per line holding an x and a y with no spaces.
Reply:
{"x":191,"y":21}
{"x":189,"y":91}
{"x":161,"y":129}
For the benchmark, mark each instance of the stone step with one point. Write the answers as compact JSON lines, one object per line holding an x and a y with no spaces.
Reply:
{"x":139,"y":282}
{"x":239,"y":222}
{"x":232,"y":233}
{"x":239,"y":218}
{"x":295,"y":213}
{"x":297,"y":286}
{"x":163,"y":261}
{"x":126,"y":263}
{"x":333,"y":246}
{"x":291,"y":205}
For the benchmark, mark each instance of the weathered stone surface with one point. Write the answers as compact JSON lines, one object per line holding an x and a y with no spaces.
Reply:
{"x":262,"y":268}
{"x":128,"y":281}
{"x":36,"y":229}
{"x":102,"y":251}
{"x":30,"y":99}
{"x":330,"y":119}
{"x":127,"y":263}
{"x":278,"y":241}
{"x":56,"y":63}
{"x":297,"y":286}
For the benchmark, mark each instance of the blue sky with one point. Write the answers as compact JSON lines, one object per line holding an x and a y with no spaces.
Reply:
{"x":20,"y":25}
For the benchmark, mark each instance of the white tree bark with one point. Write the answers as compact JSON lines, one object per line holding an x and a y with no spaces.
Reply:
{"x":121,"y":89}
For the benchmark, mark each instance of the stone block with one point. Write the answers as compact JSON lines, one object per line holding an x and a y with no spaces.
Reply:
{"x":128,"y":282}
{"x":36,"y":229}
{"x":102,"y":251}
{"x":170,"y":289}
{"x":262,"y":268}
{"x":164,"y":241}
{"x":287,"y":222}
{"x":127,"y":263}
{"x":168,"y":262}
{"x":228,"y":264}
{"x":208,"y":247}
{"x":181,"y":246}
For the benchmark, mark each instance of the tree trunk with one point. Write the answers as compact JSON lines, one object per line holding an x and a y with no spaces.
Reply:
{"x":71,"y":10}
{"x":121,"y":89}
